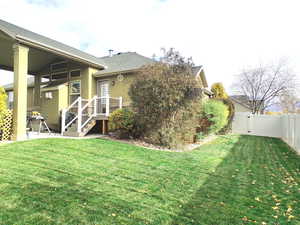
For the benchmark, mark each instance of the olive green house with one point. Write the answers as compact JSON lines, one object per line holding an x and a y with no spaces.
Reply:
{"x":74,"y":91}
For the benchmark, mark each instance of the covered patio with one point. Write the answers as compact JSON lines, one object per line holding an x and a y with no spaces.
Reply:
{"x":25,"y":52}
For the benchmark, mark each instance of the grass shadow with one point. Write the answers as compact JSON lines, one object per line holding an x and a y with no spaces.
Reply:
{"x":256,"y":183}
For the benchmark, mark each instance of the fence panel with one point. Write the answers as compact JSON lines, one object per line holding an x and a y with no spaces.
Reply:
{"x":286,"y":127}
{"x":264,"y":125}
{"x":240,"y":123}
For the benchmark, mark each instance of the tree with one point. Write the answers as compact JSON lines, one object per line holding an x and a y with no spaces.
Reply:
{"x":214,"y":116}
{"x":288,"y":100}
{"x":264,"y":84}
{"x":218,"y":90}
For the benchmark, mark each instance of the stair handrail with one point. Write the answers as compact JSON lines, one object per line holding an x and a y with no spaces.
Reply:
{"x":74,"y":103}
{"x":81,"y":108}
{"x":63,"y":116}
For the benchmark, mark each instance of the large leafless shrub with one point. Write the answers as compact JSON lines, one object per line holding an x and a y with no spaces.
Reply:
{"x":166,"y":100}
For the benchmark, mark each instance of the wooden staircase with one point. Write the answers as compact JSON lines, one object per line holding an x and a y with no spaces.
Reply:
{"x":81,"y":116}
{"x":71,"y":131}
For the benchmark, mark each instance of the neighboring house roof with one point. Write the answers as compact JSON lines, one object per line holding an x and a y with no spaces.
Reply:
{"x":242,"y":100}
{"x":55,"y":85}
{"x":33,"y":39}
{"x":30,"y":84}
{"x":123,"y":62}
{"x":10,"y":87}
{"x":198,"y":71}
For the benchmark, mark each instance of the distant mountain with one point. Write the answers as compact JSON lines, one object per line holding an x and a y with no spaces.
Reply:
{"x":278,"y":108}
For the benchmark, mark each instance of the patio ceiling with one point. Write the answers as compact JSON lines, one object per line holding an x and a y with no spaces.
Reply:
{"x":38,"y":59}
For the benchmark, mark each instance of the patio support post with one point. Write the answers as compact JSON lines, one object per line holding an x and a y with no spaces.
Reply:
{"x":87,"y":83}
{"x":20,"y":91}
{"x":37,"y":90}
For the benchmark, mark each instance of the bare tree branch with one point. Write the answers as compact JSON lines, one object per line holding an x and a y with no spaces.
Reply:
{"x":263,"y":85}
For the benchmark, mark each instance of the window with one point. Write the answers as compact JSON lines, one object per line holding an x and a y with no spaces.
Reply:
{"x":60,"y":76}
{"x":75,"y":90}
{"x":59,"y":66}
{"x":75,"y":73}
{"x":48,"y":95}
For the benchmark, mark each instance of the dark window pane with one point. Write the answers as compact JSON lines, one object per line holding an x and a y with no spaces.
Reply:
{"x":75,"y":73}
{"x":59,"y":66}
{"x":59,"y":76}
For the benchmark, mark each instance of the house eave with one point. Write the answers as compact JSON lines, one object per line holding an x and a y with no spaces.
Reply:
{"x":56,"y":51}
{"x":242,"y":104}
{"x":114,"y":73}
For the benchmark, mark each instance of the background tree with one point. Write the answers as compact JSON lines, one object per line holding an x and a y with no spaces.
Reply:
{"x":220,"y":94}
{"x":264,"y":84}
{"x":218,"y":90}
{"x":288,"y":100}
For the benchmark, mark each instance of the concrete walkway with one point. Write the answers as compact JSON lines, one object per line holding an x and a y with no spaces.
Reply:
{"x":35,"y":135}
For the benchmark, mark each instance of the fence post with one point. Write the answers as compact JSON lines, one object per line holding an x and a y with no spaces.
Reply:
{"x":294,"y":131}
{"x":289,"y":129}
{"x":249,"y":123}
{"x":107,"y":105}
{"x":297,"y":133}
{"x":79,"y":115}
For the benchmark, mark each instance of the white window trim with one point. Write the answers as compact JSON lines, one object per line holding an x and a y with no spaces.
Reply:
{"x":70,"y":88}
{"x":98,"y":86}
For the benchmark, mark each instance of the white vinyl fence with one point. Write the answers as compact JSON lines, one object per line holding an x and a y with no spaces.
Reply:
{"x":286,"y":127}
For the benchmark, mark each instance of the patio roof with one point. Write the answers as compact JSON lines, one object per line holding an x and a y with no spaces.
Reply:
{"x":10,"y":34}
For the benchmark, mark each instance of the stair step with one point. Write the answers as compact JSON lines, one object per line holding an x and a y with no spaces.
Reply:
{"x":72,"y":130}
{"x":72,"y":134}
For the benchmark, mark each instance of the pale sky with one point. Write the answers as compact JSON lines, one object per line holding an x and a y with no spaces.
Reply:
{"x":223,"y":36}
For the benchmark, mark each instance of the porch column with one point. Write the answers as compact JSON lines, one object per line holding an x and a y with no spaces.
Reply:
{"x":37,"y":90}
{"x":87,"y":82}
{"x":20,"y":91}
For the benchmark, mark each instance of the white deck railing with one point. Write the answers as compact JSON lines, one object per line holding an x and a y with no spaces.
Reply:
{"x":84,"y":110}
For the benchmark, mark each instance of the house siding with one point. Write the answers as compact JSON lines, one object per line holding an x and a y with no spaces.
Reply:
{"x":51,"y":108}
{"x":240,"y":108}
{"x":120,"y":88}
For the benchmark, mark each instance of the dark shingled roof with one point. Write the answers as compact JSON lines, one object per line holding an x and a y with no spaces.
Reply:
{"x":241,"y":99}
{"x":123,"y":62}
{"x":17,"y":33}
{"x":196,"y":69}
{"x":56,"y":83}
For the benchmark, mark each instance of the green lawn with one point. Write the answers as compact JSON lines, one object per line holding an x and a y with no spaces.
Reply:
{"x":233,"y":180}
